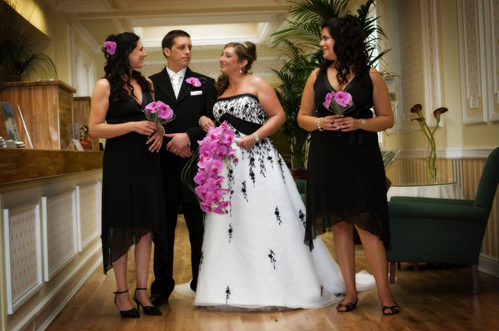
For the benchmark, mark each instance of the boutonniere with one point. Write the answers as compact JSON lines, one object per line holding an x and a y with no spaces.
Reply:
{"x":194,"y":81}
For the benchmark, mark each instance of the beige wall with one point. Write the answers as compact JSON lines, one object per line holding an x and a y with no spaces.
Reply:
{"x":432,"y":53}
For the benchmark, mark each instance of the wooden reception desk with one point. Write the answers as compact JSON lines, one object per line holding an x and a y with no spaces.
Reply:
{"x":20,"y":165}
{"x":50,"y":203}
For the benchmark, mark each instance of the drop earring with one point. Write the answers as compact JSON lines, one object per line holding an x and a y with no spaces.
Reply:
{"x":240,"y":70}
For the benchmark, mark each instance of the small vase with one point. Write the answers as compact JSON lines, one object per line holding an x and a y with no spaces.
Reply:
{"x":431,"y":168}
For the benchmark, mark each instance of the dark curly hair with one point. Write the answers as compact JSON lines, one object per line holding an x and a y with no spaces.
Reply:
{"x":349,"y":47}
{"x":244,"y":51}
{"x":118,"y":69}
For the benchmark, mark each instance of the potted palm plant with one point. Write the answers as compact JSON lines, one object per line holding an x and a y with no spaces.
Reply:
{"x":293,"y":76}
{"x":304,"y":29}
{"x":20,"y":56}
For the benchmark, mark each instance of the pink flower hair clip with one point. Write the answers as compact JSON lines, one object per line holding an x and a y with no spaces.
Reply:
{"x":110,"y":47}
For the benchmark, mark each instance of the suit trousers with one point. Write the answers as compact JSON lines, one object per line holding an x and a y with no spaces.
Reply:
{"x":164,"y":242}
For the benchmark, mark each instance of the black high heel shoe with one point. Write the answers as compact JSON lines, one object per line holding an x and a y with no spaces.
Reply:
{"x":348,"y":306}
{"x":131,"y":313}
{"x":148,"y":310}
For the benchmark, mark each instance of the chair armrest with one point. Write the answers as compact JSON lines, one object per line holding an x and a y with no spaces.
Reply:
{"x":432,"y":200}
{"x":433,"y":210}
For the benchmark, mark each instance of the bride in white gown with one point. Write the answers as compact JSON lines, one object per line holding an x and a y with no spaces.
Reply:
{"x":254,"y":256}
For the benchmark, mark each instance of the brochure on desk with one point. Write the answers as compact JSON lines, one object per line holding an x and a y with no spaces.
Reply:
{"x":10,"y":122}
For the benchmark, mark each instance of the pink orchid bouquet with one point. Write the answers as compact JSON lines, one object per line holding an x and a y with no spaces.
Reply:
{"x":158,"y":112}
{"x":214,"y":149}
{"x":338,"y":102}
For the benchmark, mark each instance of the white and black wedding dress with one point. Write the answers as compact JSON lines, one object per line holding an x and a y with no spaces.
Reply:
{"x":254,"y":256}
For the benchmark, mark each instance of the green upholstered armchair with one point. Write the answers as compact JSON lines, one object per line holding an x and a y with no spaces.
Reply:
{"x":443,"y":230}
{"x":301,"y":184}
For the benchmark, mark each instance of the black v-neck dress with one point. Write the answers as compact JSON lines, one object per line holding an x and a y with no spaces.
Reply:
{"x":346,"y":176}
{"x":132,"y":191}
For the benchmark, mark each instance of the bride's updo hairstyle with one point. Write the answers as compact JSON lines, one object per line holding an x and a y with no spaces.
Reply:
{"x":244,"y":51}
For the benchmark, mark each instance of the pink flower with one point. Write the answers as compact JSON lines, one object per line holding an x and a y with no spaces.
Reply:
{"x":329,"y":98}
{"x":158,"y":112}
{"x":343,"y":98}
{"x":338,"y":102}
{"x":193,"y":81}
{"x":214,"y":149}
{"x":110,"y":47}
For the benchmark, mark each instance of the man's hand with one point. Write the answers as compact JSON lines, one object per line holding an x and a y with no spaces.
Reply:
{"x":179,"y":144}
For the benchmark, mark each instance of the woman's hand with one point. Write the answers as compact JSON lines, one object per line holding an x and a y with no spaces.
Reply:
{"x":155,"y":141}
{"x":246,"y":142}
{"x":147,"y":128}
{"x":346,"y":124}
{"x":206,"y":123}
{"x":331,"y":123}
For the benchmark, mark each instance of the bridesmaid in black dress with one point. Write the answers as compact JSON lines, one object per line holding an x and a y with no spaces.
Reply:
{"x":132,"y":194}
{"x":346,"y":179}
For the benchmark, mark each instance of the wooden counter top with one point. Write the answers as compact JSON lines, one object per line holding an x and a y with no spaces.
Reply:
{"x":20,"y":165}
{"x":48,"y":82}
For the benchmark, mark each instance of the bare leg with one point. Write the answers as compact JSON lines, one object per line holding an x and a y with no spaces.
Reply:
{"x":142,"y":260}
{"x":345,"y":254}
{"x":120,"y":269}
{"x":376,"y":257}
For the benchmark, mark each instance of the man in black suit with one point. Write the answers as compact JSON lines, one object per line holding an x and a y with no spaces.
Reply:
{"x":194,"y":98}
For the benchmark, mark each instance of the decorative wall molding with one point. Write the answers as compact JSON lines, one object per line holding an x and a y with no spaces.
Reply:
{"x":23,"y":258}
{"x":450,"y":153}
{"x":416,"y":62}
{"x":59,"y":231}
{"x":88,"y":214}
{"x":488,"y":265}
{"x":473,"y":60}
{"x":492,"y":36}
{"x":431,"y":64}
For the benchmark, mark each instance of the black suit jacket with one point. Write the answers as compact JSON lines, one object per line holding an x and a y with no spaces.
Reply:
{"x":191,"y":104}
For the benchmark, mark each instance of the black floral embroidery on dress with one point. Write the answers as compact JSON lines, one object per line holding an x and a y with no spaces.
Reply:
{"x":280,"y":162}
{"x":227,"y":294}
{"x":230,"y":181}
{"x":201,"y":258}
{"x":301,"y":214}
{"x":277,"y":216}
{"x":244,"y":192}
{"x":272,"y":258}
{"x":251,"y":166}
{"x":322,"y":291}
{"x":229,"y":232}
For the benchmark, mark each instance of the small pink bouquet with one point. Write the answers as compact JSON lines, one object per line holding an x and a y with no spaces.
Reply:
{"x":214,"y":149}
{"x":338,"y":102}
{"x":158,"y":112}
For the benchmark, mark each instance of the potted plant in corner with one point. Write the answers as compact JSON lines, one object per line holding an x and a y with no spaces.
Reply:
{"x":20,"y":56}
{"x":305,"y":30}
{"x":293,"y":76}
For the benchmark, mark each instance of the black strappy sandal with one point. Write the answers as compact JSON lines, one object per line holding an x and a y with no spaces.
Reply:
{"x":392,"y":310}
{"x":348,"y":306}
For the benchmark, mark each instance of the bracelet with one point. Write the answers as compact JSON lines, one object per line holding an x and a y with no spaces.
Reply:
{"x":319,"y":124}
{"x":255,"y":137}
{"x":362,"y":123}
